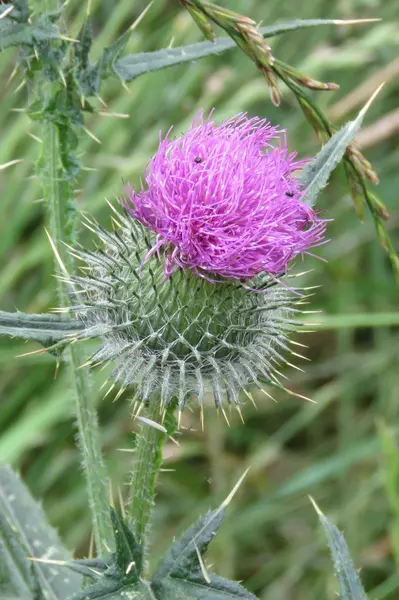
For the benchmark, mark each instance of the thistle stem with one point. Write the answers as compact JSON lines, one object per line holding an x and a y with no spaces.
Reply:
{"x":148,"y":462}
{"x":58,"y":197}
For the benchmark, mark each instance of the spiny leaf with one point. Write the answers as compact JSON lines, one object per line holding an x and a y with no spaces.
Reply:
{"x":197,"y":588}
{"x":19,"y":34}
{"x":87,"y":76}
{"x":93,"y":568}
{"x":18,"y":570}
{"x":113,"y":590}
{"x":46,"y":329}
{"x":106,"y":590}
{"x":85,"y":38}
{"x":118,"y":575}
{"x":182,"y":557}
{"x":130,"y":67}
{"x":24,"y":532}
{"x":349,"y":581}
{"x":111,"y":54}
{"x":128,"y":553}
{"x":315,"y":175}
{"x":183,"y":574}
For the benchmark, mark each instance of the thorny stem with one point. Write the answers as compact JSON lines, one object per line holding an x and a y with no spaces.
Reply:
{"x":148,"y":462}
{"x":58,"y":197}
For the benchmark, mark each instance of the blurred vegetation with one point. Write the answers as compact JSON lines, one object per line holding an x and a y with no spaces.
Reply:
{"x":342,"y":450}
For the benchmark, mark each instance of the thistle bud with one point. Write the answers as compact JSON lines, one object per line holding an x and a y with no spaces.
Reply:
{"x":186,"y":292}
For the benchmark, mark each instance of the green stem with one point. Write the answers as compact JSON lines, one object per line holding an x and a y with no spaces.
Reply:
{"x":148,"y":462}
{"x":85,"y":403}
{"x":58,"y":196}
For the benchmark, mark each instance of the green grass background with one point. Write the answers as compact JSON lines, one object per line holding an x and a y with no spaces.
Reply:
{"x":342,"y":450}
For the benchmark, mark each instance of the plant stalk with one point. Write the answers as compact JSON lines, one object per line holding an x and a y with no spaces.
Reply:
{"x":58,"y":197}
{"x":85,"y":402}
{"x":148,"y":462}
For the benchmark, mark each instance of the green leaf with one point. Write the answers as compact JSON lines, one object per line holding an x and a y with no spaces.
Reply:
{"x":24,"y":532}
{"x":118,"y":575}
{"x":19,"y":34}
{"x":87,"y":76}
{"x":182,"y":573}
{"x":46,"y":329}
{"x":315,"y":175}
{"x":130,"y":67}
{"x":105,"y":589}
{"x":93,"y":568}
{"x":349,"y":581}
{"x":197,"y":588}
{"x":128,"y":553}
{"x":18,"y":570}
{"x":107,"y":63}
{"x":172,"y":591}
{"x":85,"y":38}
{"x":182,"y":558}
{"x":113,"y":590}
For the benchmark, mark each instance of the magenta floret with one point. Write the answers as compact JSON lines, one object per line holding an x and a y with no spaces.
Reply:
{"x":224,"y":200}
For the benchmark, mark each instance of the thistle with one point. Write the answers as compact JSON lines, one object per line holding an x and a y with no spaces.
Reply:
{"x":185,"y":293}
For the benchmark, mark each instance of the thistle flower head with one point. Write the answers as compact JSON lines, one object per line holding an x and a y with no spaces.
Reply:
{"x":224,"y":200}
{"x":221,"y":202}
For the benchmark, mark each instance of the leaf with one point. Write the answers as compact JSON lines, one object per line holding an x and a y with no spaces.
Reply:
{"x":315,"y":175}
{"x":18,"y":570}
{"x":104,"y":589}
{"x":110,"y":55}
{"x":118,"y":575}
{"x":130,"y":67}
{"x":128,"y":553}
{"x":18,"y":34}
{"x":182,"y":558}
{"x":197,"y":588}
{"x":24,"y":532}
{"x":91,"y":568}
{"x":85,"y":38}
{"x":349,"y":581}
{"x":87,"y":76}
{"x":46,"y":329}
{"x":112,"y":590}
{"x":183,"y":574}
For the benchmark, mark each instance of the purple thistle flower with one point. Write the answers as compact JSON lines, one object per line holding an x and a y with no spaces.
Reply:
{"x":224,"y":200}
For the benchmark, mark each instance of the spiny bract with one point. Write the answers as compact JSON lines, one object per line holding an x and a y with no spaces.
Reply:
{"x":182,"y":336}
